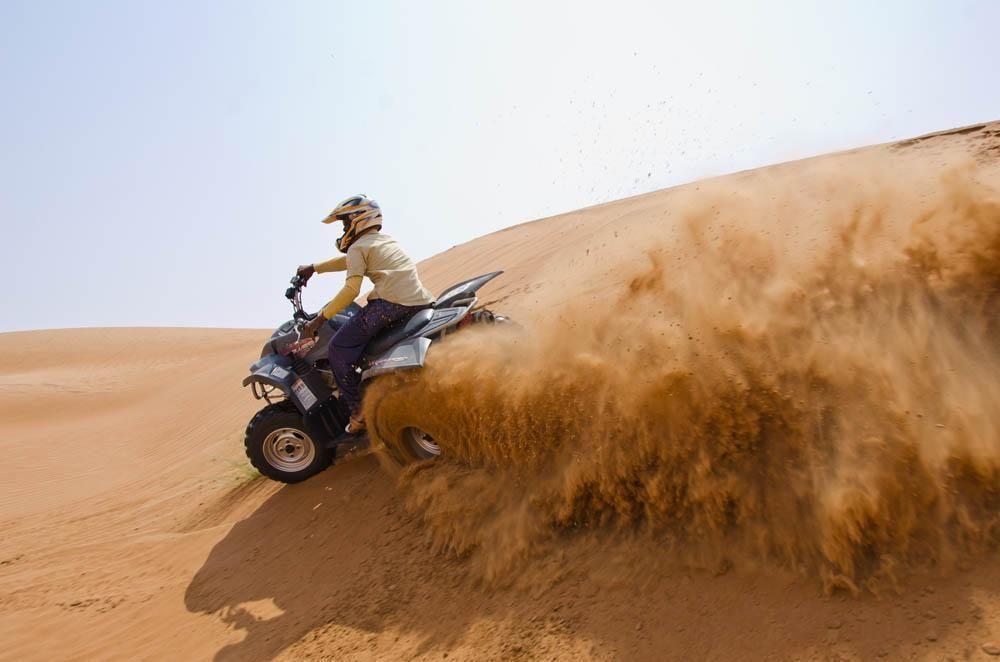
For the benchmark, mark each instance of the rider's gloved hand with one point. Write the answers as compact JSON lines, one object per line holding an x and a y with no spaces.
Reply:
{"x":305,"y":272}
{"x":312,"y":326}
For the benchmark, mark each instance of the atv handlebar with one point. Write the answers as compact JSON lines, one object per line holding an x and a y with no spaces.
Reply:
{"x":294,"y":294}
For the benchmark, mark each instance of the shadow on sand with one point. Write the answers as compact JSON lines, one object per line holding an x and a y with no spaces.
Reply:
{"x":351,"y":574}
{"x":333,"y":551}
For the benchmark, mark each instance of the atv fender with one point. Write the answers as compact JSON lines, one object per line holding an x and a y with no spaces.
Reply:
{"x":276,"y":370}
{"x":404,"y":356}
{"x":273,"y":370}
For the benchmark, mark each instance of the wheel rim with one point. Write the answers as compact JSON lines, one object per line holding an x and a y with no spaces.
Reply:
{"x":422,"y":442}
{"x":288,"y":449}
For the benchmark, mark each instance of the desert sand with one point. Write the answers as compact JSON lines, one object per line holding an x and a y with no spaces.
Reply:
{"x":754,"y":417}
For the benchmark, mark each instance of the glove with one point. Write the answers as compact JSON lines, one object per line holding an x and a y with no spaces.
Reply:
{"x":305,"y":272}
{"x":311,"y":327}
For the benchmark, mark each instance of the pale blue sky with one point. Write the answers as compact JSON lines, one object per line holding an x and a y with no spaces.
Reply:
{"x":168,"y":163}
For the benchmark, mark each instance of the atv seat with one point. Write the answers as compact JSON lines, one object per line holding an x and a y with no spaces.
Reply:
{"x":399,"y":331}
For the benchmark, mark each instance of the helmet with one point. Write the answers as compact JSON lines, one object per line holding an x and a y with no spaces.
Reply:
{"x":359,"y":214}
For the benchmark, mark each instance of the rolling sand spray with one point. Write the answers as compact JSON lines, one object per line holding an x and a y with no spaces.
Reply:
{"x":804,"y":373}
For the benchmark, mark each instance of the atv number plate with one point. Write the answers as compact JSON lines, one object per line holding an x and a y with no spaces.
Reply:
{"x":303,"y":393}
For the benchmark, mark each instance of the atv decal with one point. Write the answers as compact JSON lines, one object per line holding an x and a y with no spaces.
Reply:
{"x":302,"y":392}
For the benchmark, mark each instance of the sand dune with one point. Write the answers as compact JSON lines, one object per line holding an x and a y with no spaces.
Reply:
{"x":132,"y":528}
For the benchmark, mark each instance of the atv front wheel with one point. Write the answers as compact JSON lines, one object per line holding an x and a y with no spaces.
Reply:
{"x":279,"y":447}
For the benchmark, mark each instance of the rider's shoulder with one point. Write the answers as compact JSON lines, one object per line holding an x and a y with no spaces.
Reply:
{"x":370,"y":239}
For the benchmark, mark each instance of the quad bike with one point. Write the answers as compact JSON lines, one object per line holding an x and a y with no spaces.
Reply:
{"x":301,"y":430}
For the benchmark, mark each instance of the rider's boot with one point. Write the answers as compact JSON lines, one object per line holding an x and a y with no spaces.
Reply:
{"x":356,"y":425}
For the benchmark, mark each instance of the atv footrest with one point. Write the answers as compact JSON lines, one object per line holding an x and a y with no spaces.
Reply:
{"x":347,"y":444}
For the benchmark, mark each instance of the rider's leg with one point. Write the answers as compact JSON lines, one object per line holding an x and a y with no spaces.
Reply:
{"x":348,"y":345}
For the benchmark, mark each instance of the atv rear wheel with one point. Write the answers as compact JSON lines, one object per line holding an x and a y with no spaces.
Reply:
{"x":418,"y":444}
{"x":395,"y":425}
{"x":279,"y":446}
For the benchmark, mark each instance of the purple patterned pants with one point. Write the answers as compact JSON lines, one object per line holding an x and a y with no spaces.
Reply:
{"x":348,"y":344}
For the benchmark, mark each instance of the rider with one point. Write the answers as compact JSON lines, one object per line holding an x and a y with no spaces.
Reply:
{"x":397,"y":295}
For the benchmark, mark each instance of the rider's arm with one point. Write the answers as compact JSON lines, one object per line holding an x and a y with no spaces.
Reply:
{"x":333,"y":264}
{"x":350,"y":292}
